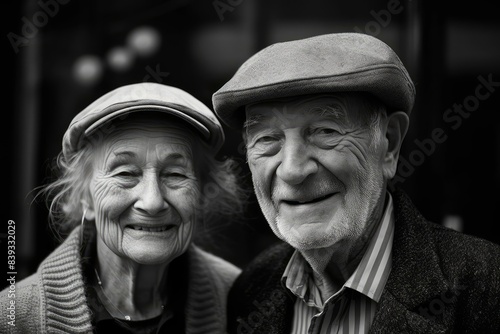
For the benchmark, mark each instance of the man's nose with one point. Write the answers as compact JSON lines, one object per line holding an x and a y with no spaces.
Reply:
{"x":296,"y":161}
{"x":150,"y":196}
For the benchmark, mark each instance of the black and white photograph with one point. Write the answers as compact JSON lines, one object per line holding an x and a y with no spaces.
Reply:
{"x":250,"y":166}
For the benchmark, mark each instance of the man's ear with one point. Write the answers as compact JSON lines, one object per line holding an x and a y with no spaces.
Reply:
{"x":397,"y":126}
{"x":88,"y":210}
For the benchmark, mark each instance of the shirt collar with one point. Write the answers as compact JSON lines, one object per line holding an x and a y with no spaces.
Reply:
{"x":369,"y":277}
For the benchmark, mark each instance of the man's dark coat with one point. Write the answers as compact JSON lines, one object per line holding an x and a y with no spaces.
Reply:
{"x":441,"y":281}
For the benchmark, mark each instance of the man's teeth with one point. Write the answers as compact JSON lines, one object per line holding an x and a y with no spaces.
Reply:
{"x":151,"y":229}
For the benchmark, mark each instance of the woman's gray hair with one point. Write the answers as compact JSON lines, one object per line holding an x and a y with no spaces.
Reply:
{"x":222,"y":194}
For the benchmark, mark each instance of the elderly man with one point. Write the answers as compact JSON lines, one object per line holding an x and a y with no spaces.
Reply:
{"x":323,"y":120}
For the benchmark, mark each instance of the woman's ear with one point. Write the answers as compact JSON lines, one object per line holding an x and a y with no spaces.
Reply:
{"x":397,"y":126}
{"x":88,"y":210}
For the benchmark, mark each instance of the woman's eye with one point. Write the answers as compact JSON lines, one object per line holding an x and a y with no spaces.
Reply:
{"x":126,"y":174}
{"x":176,"y":176}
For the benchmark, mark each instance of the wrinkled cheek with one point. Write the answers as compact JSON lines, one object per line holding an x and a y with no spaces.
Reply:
{"x":262,"y":176}
{"x":110,"y":232}
{"x":184,"y":236}
{"x":369,"y":184}
{"x":187,"y":202}
{"x":188,"y":207}
{"x":263,"y":193}
{"x":112,"y":203}
{"x":109,"y":206}
{"x":254,"y":166}
{"x":190,"y":211}
{"x":261,"y":190}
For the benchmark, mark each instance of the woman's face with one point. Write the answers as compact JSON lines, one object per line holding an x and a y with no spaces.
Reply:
{"x":144,"y":191}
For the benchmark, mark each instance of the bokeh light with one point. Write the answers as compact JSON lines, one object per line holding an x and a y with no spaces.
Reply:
{"x":144,"y":41}
{"x":120,"y":59}
{"x":87,"y":69}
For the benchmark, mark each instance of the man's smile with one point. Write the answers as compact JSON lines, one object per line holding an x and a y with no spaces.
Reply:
{"x":301,"y":200}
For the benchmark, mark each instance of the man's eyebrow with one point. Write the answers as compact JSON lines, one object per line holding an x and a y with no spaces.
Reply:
{"x":334,"y":111}
{"x":252,"y":121}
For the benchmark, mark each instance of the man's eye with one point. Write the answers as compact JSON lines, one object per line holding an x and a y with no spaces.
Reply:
{"x":266,"y":139}
{"x":324,"y":131}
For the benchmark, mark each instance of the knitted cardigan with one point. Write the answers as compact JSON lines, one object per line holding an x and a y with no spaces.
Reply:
{"x":441,"y":281}
{"x":53,"y":300}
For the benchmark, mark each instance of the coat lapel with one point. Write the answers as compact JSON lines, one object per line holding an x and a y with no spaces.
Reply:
{"x":395,"y":317}
{"x":259,"y":304}
{"x":416,"y":291}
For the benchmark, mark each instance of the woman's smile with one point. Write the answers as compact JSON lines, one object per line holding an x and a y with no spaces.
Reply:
{"x":161,"y":228}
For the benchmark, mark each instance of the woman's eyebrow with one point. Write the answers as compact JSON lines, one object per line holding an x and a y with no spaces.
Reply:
{"x":119,"y":157}
{"x":124,"y":154}
{"x":174,"y":157}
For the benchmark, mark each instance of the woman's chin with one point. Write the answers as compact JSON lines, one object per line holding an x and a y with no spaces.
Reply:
{"x":151,"y":255}
{"x":153,"y":249}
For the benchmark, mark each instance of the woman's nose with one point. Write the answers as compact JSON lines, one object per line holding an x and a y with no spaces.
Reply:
{"x":151,"y":195}
{"x":296,"y":162}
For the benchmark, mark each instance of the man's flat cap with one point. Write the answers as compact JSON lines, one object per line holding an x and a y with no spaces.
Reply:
{"x":144,"y":96}
{"x":342,"y":62}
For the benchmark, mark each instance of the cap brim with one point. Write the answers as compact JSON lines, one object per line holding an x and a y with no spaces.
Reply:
{"x":139,"y":108}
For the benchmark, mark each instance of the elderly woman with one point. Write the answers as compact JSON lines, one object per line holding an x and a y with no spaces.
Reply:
{"x":134,"y":168}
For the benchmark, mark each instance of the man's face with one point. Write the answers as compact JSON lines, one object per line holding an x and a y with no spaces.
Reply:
{"x":317,"y":168}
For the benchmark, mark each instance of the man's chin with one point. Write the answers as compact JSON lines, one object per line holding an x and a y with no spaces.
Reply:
{"x":307,"y":240}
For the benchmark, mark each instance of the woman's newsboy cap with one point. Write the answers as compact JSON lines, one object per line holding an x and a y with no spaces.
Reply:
{"x":144,"y":96}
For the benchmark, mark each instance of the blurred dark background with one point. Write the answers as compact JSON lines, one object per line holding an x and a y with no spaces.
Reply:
{"x":59,"y":55}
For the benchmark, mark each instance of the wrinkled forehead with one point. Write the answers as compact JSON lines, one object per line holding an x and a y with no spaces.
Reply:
{"x":296,"y":102}
{"x":135,"y":130}
{"x":147,"y":121}
{"x":338,"y":107}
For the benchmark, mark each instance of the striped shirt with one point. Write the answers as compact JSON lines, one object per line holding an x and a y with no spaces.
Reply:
{"x":352,"y":308}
